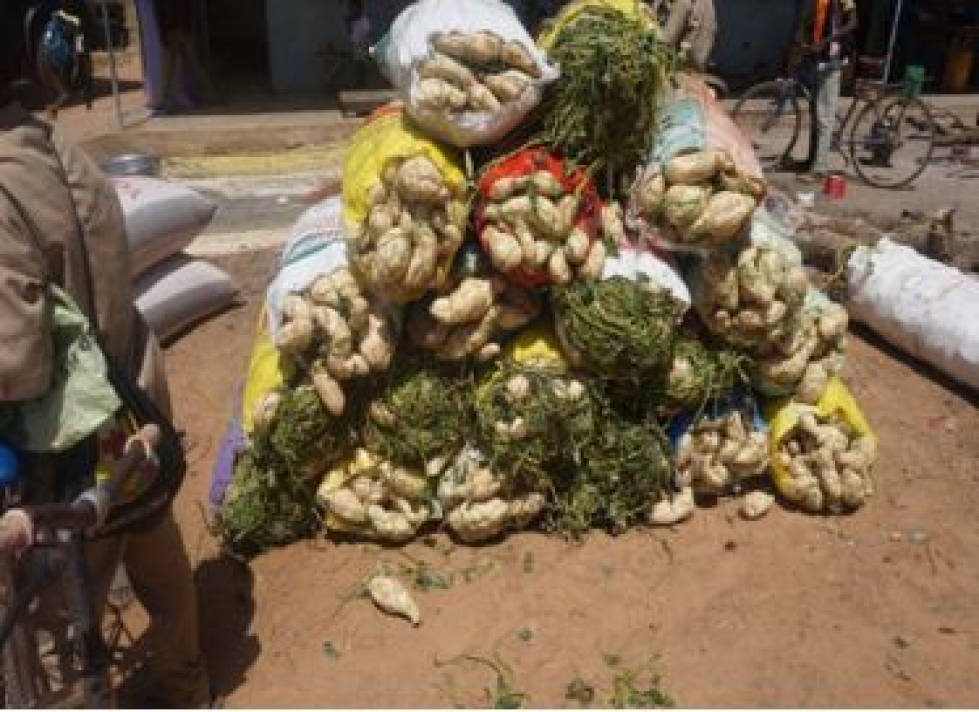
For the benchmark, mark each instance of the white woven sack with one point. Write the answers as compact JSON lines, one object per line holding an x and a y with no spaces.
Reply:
{"x":162,"y":218}
{"x":315,"y":248}
{"x":181,"y":291}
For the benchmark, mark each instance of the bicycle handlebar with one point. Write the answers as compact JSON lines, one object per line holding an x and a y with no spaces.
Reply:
{"x":19,"y":526}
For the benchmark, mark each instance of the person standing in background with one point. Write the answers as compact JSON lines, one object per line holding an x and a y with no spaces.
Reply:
{"x":827,"y":31}
{"x":64,"y":61}
{"x":61,"y":223}
{"x":181,"y":61}
{"x":359,"y":33}
{"x":151,"y":47}
{"x":690,"y":27}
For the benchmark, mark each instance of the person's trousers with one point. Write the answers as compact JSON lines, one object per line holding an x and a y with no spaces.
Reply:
{"x":158,"y":566}
{"x":162,"y":579}
{"x":827,"y":102}
{"x":182,"y":64}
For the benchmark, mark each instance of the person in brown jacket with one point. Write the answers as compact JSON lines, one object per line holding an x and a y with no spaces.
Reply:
{"x":690,"y":28}
{"x":60,"y":219}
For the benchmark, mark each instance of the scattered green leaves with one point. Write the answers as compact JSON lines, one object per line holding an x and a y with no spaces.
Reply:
{"x":611,"y":659}
{"x":636,"y":688}
{"x":580,"y":691}
{"x":501,"y":695}
{"x":424,"y":577}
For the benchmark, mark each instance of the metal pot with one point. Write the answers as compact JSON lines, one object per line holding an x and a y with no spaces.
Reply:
{"x":132,"y":164}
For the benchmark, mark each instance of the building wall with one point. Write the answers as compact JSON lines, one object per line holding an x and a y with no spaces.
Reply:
{"x":752,"y":38}
{"x":298,"y":29}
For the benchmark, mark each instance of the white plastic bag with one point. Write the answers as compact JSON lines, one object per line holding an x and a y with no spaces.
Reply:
{"x":407,"y":44}
{"x":707,"y":202}
{"x":769,"y":231}
{"x":693,"y":120}
{"x":922,"y":306}
{"x":636,"y":264}
{"x":181,"y":291}
{"x":162,"y":218}
{"x":316,"y":248}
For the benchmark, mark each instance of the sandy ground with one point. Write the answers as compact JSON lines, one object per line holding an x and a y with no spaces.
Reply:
{"x":876,"y":609}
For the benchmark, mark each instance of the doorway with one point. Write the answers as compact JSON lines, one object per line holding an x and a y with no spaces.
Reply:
{"x":237,"y":48}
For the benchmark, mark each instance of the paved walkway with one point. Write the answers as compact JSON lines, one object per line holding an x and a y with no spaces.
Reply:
{"x":282,"y":120}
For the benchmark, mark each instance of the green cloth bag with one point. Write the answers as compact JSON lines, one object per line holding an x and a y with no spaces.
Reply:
{"x":79,"y":400}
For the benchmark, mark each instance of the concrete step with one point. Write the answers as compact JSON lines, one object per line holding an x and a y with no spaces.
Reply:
{"x":228,"y":134}
{"x":361,"y":103}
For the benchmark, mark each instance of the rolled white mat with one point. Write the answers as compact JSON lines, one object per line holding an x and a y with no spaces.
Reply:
{"x":923,"y":307}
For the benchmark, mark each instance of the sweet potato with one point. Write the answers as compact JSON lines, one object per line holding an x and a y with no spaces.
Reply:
{"x":441,"y":66}
{"x":725,"y":216}
{"x":393,"y":255}
{"x":440,"y":95}
{"x":692,"y":168}
{"x":468,"y":302}
{"x":504,"y":250}
{"x":507,"y":86}
{"x":576,"y":246}
{"x":330,"y":393}
{"x":514,"y":54}
{"x":482,"y":99}
{"x":419,"y":180}
{"x":685,"y":204}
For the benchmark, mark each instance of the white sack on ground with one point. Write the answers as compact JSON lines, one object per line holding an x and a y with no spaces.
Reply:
{"x":408,"y":44}
{"x":923,"y":307}
{"x":181,"y":291}
{"x":162,"y":218}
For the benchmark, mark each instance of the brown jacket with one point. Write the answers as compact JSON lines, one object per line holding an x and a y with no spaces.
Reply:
{"x":37,"y":194}
{"x":52,"y":194}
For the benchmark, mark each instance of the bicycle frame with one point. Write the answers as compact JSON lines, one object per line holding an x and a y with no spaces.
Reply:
{"x":62,"y":562}
{"x":866,"y":91}
{"x":55,"y":553}
{"x":837,"y":142}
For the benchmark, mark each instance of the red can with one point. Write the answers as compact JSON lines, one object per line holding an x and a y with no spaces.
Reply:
{"x":835,"y":186}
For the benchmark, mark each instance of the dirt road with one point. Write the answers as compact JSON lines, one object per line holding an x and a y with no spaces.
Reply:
{"x":875,"y":609}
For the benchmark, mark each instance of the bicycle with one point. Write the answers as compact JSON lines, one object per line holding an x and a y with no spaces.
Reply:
{"x":44,"y":545}
{"x":891,"y":138}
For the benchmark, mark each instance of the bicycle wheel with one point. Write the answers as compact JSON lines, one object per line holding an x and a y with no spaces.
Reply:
{"x":892,"y":141}
{"x":38,"y":659}
{"x":24,"y":682}
{"x":770,"y":117}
